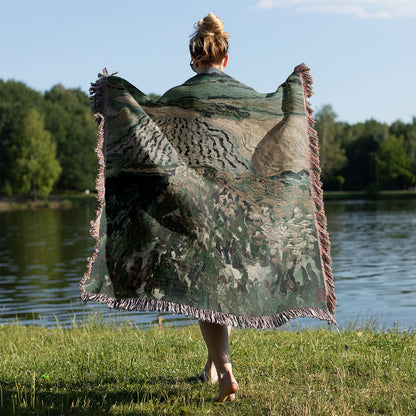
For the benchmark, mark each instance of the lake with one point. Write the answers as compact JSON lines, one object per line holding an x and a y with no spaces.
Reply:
{"x":43,"y":257}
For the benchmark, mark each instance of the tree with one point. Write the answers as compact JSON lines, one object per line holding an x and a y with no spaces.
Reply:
{"x":394,"y":164}
{"x":15,"y":98}
{"x":35,"y":169}
{"x":362,"y":141}
{"x":332,"y":154}
{"x":15,"y":92}
{"x":70,"y":120}
{"x":408,"y":133}
{"x":8,"y":113}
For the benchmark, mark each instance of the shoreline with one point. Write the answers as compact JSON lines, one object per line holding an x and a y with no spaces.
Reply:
{"x":61,"y":201}
{"x":364,"y":195}
{"x":67,"y":201}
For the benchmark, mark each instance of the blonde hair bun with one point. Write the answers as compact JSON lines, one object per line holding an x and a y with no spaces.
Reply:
{"x":211,"y":25}
{"x":209,"y":43}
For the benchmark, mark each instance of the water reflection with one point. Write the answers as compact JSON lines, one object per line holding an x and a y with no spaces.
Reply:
{"x":374,"y":260}
{"x":43,"y":257}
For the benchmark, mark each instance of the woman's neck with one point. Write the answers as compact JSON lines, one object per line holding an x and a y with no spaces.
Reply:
{"x":200,"y":67}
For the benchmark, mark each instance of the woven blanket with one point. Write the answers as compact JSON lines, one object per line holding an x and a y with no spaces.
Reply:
{"x":210,"y":202}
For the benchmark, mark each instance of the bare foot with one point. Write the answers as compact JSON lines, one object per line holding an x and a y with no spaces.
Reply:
{"x":228,"y":388}
{"x":209,"y":375}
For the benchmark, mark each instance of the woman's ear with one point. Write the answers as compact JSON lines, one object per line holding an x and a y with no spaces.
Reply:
{"x":225,"y":61}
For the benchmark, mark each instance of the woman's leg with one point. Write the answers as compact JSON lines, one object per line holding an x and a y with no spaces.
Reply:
{"x":216,"y":339}
{"x":209,"y":374}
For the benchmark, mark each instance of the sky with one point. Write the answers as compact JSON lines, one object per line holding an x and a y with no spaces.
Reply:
{"x":361,"y":52}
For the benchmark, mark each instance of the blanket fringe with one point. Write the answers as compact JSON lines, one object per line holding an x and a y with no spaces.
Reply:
{"x":245,"y":322}
{"x":98,"y":101}
{"x":316,"y":190}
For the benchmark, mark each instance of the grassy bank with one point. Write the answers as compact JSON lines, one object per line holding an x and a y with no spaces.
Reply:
{"x":107,"y":370}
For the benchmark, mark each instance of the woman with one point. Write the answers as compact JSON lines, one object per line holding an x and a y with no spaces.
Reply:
{"x":209,"y":49}
{"x":211,"y":203}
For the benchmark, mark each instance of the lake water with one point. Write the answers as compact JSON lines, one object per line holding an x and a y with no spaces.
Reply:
{"x":43,"y":257}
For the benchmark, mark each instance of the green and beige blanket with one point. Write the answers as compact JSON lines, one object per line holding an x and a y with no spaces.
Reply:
{"x":210,"y":202}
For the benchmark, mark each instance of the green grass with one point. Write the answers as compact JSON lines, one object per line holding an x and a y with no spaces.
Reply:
{"x":108,"y":369}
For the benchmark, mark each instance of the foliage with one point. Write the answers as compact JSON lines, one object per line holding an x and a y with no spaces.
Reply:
{"x":35,"y":168}
{"x":332,"y":154}
{"x":15,"y":99}
{"x":71,"y":132}
{"x":365,"y":156}
{"x":105,"y":369}
{"x":70,"y":119}
{"x":394,"y":163}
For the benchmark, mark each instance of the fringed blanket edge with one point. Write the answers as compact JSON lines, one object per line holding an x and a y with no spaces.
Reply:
{"x":317,"y":191}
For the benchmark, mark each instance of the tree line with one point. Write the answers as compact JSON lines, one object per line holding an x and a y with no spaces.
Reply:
{"x":47,"y":140}
{"x":369,"y":156}
{"x":47,"y":143}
